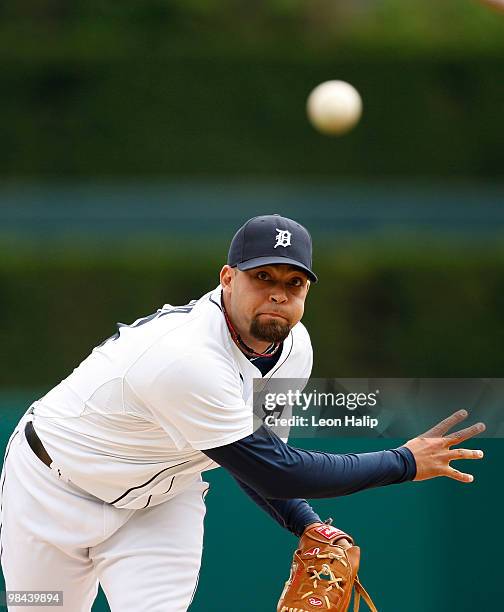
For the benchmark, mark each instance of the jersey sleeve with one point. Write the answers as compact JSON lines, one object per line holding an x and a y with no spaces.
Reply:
{"x":201,"y":396}
{"x":276,"y":470}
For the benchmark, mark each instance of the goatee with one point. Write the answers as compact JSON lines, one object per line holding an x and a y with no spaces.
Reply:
{"x":269,"y":331}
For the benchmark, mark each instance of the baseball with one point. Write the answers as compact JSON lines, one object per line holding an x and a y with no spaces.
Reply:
{"x":334,"y":107}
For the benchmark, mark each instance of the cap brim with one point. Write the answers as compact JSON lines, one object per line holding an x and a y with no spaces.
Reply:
{"x":270,"y":261}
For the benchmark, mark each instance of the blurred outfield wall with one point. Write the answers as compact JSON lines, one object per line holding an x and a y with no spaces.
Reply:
{"x":411,"y":276}
{"x":200,"y":88}
{"x":200,"y":115}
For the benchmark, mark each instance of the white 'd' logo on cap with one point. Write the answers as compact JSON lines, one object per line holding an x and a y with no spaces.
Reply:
{"x":283,"y":238}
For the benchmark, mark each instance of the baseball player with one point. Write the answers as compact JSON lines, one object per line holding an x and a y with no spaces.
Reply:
{"x":102,"y":479}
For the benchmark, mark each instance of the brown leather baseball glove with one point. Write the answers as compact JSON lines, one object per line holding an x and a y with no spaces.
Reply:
{"x":323,"y":574}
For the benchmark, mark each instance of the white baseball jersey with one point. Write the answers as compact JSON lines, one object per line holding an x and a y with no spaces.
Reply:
{"x":129,"y":424}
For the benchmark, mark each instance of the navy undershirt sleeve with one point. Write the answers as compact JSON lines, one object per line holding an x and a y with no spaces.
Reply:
{"x":276,"y":470}
{"x":293,"y":514}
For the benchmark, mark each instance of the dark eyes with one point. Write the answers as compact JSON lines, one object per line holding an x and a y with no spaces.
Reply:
{"x":296,"y":281}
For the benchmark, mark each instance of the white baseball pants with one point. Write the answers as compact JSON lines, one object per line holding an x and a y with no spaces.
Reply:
{"x":57,"y":537}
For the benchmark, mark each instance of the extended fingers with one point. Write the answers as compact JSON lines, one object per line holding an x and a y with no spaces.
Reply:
{"x":446,"y":424}
{"x":464,"y":434}
{"x":464,"y":453}
{"x":460,"y":476}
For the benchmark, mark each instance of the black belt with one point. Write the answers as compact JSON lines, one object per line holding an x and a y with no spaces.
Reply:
{"x":36,"y":445}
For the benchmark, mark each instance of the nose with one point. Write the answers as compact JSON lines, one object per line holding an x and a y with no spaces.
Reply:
{"x":278,"y":295}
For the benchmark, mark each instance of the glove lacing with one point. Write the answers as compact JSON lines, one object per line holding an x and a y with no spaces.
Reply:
{"x":332,"y":581}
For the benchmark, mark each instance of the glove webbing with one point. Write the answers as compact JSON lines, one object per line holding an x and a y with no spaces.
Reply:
{"x":359,"y":592}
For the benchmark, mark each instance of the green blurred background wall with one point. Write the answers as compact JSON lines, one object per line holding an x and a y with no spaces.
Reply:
{"x":136,"y":137}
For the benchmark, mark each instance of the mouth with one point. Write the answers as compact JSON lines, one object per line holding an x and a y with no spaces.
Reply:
{"x":273,"y":315}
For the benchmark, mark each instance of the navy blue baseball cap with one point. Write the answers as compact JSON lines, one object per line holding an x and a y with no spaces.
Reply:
{"x":272,"y":239}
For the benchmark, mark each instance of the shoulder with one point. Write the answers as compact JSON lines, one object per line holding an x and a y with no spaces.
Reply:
{"x":191,"y":327}
{"x":187,"y":338}
{"x":301,"y":344}
{"x":301,"y":337}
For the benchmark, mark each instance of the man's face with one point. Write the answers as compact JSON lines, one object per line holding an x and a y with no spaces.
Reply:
{"x":266,"y":302}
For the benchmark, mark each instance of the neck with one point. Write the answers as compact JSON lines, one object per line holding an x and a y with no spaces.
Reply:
{"x":250,"y":346}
